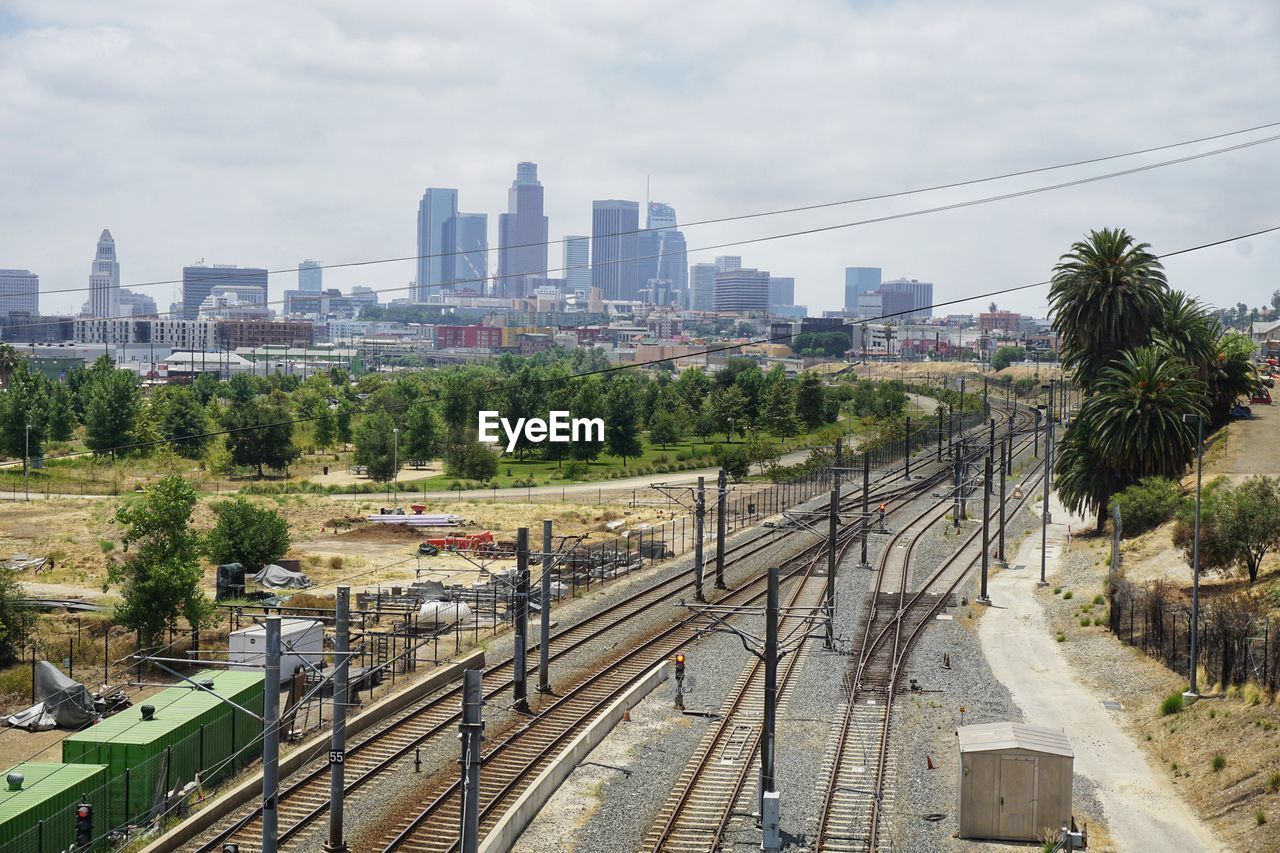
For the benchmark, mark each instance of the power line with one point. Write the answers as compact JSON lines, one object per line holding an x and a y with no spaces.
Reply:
{"x":789,"y":234}
{"x":745,"y":216}
{"x":437,"y":395}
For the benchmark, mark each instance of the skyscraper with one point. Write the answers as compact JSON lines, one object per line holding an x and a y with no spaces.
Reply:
{"x":104,"y":279}
{"x":702,"y":287}
{"x":471,"y":265}
{"x":859,"y":280}
{"x":522,"y":233}
{"x":742,"y":290}
{"x":577,"y":261}
{"x":725,"y":263}
{"x":19,"y":293}
{"x":920,"y":294}
{"x":437,"y":241}
{"x":310,"y":276}
{"x":661,"y":251}
{"x":198,"y":282}
{"x":614,"y":269}
{"x":782,"y":291}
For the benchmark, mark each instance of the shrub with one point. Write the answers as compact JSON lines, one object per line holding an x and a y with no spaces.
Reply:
{"x":576,"y":469}
{"x":1219,"y":762}
{"x":1172,"y":704}
{"x":1084,"y":622}
{"x":1273,"y":783}
{"x":1259,"y":817}
{"x":1148,"y":503}
{"x":1099,"y":599}
{"x":1066,"y":596}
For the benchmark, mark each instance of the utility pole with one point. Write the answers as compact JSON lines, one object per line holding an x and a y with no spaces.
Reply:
{"x":338,"y":735}
{"x":271,"y":736}
{"x":767,"y":781}
{"x":958,"y":511}
{"x":986,"y":531}
{"x":866,"y":507}
{"x":1008,"y":461}
{"x":521,"y":617}
{"x":1044,"y":510}
{"x":991,"y":451}
{"x":699,"y":518}
{"x":722,"y":500}
{"x":471,"y":733}
{"x":833,"y":524}
{"x":26,"y":463}
{"x":544,"y":612}
{"x":906,"y":475}
{"x":939,"y":433}
{"x":1006,"y":449}
{"x":1193,"y":694}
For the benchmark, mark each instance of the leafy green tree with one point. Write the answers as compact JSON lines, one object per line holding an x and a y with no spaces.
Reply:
{"x":810,"y":400}
{"x":778,"y":412}
{"x":160,"y":579}
{"x":762,"y":452}
{"x":1084,"y":479}
{"x":17,"y":621}
{"x":705,"y":421}
{"x":205,"y":387}
{"x":1106,"y":297}
{"x":60,"y":411}
{"x":421,"y":440}
{"x":1148,"y":503}
{"x":470,"y":459}
{"x":110,"y":419}
{"x":735,"y":461}
{"x":693,"y":385}
{"x":248,"y":534}
{"x":730,"y":407}
{"x":1005,"y":356}
{"x":241,"y":389}
{"x":9,"y":361}
{"x":826,"y":344}
{"x":23,"y":402}
{"x":1239,"y":525}
{"x":622,"y":428}
{"x":375,"y":446}
{"x":342,"y":421}
{"x":588,"y":403}
{"x":184,"y":423}
{"x":664,"y":429}
{"x":261,"y":434}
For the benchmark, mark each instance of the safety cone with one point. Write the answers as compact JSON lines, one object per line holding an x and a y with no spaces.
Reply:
{"x":626,"y":715}
{"x":928,"y":759}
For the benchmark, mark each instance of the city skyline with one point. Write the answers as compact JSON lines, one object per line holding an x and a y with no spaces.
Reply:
{"x":315,"y":187}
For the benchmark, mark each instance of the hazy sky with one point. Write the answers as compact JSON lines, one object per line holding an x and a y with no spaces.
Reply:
{"x":263,"y":133}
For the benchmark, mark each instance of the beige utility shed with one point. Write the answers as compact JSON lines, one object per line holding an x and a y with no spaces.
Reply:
{"x":1015,"y":781}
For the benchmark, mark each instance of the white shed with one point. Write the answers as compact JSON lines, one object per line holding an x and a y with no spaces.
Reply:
{"x":1015,"y":781}
{"x":300,"y":640}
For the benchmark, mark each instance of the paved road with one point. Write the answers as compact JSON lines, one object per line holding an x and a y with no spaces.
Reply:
{"x":1143,"y":813}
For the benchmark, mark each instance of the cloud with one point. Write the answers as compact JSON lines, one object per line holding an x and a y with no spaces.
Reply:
{"x":261,"y":134}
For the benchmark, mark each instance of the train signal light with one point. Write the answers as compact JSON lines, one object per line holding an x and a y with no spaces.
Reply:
{"x":84,"y":825}
{"x":680,"y":666}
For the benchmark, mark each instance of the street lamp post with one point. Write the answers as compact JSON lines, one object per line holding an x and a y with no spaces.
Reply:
{"x":395,"y":462}
{"x":1192,"y":694}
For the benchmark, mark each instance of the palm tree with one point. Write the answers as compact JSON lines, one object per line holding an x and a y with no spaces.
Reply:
{"x":1105,"y":298}
{"x":1186,"y":329}
{"x":1084,"y":480}
{"x":1235,"y":375}
{"x":1134,"y":417}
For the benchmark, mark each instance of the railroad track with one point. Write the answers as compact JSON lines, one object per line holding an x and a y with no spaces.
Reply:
{"x":859,"y":769}
{"x":522,"y":755}
{"x":305,"y":800}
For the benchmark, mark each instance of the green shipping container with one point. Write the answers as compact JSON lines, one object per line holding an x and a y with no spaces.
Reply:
{"x":40,"y":817}
{"x":192,"y":731}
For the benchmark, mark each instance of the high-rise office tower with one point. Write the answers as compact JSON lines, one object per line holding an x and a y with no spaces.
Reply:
{"x":19,"y":293}
{"x":661,"y":251}
{"x":725,"y":263}
{"x":310,"y":276}
{"x":859,"y":280}
{"x":614,"y":269}
{"x":198,"y":282}
{"x":437,"y":241}
{"x":471,"y":265}
{"x":741,"y":290}
{"x":577,"y":261}
{"x":104,"y":279}
{"x":920,"y":303}
{"x":702,"y":287}
{"x":522,"y":233}
{"x":782,"y":291}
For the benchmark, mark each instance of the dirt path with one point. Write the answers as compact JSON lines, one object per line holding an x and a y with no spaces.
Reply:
{"x":1142,"y":812}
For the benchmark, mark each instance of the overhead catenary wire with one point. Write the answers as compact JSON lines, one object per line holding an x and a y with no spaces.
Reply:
{"x":231,"y":276}
{"x":665,"y":359}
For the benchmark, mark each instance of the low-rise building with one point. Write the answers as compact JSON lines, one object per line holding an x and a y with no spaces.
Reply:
{"x":235,"y":334}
